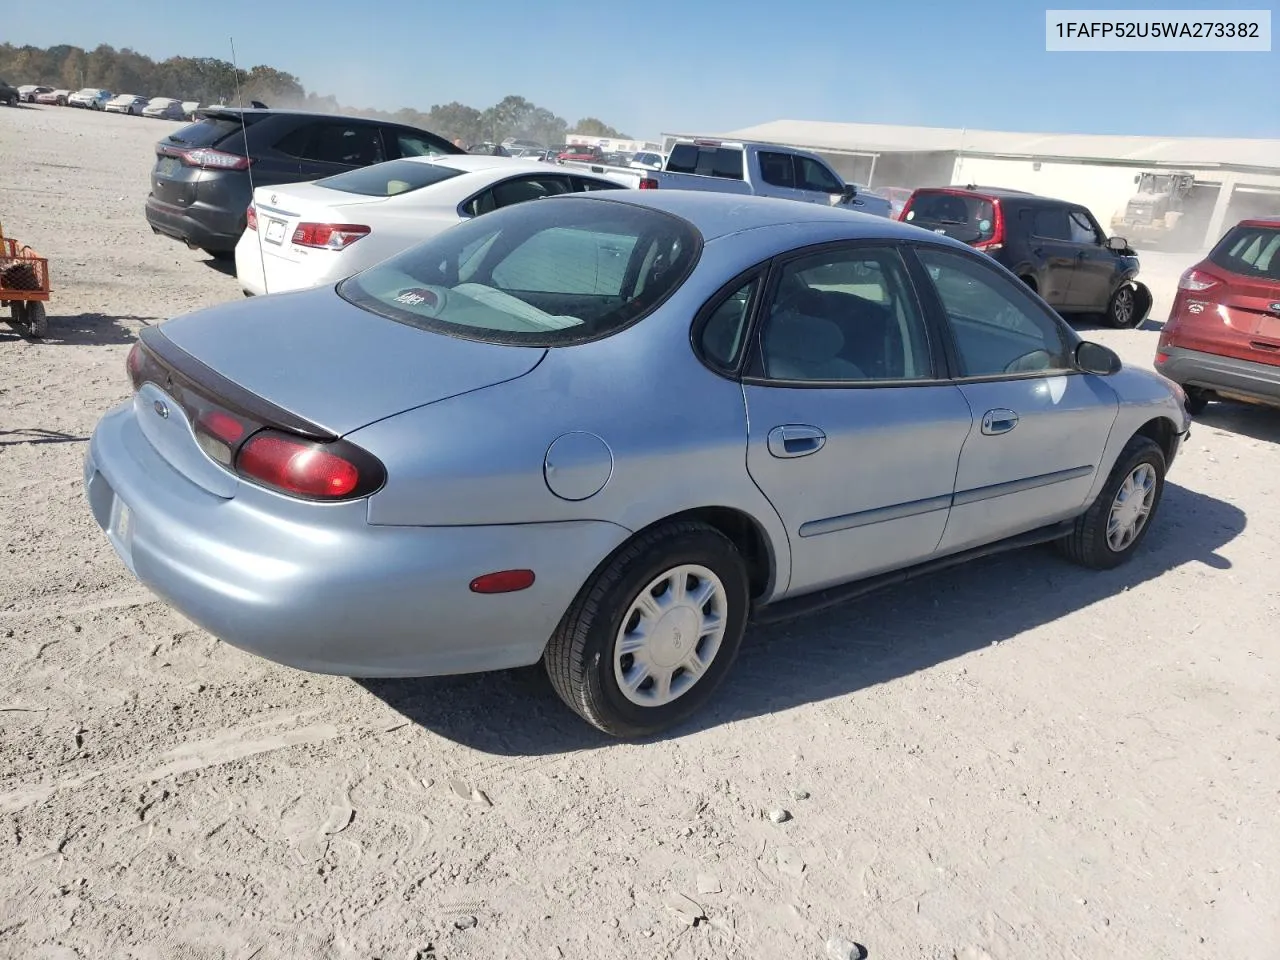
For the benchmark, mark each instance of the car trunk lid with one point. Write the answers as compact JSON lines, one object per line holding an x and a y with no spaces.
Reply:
{"x":173,"y":180}
{"x":281,"y":211}
{"x":357,"y":367}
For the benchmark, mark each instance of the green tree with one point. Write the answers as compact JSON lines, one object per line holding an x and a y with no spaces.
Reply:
{"x":591,"y":127}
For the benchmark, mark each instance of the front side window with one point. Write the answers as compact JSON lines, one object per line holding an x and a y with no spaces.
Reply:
{"x":542,"y":274}
{"x":1083,"y":229}
{"x":998,"y":328}
{"x":1050,"y":223}
{"x":811,"y":175}
{"x":846,"y":315}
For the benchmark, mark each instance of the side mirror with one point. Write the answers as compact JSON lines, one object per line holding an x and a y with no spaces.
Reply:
{"x":1118,"y":244}
{"x":848,"y":193}
{"x":1096,"y":359}
{"x":1138,"y":178}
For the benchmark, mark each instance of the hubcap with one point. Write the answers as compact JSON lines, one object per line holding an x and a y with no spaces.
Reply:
{"x":1124,"y":305}
{"x":670,"y":635}
{"x":1131,"y":507}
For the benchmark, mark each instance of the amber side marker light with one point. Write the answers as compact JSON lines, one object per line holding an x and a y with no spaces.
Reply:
{"x":503,"y":581}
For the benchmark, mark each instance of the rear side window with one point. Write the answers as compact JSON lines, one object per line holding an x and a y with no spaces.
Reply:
{"x":962,"y":216}
{"x":1250,"y":252}
{"x":776,"y":169}
{"x":541,"y":274}
{"x":706,"y":161}
{"x":390,"y":178}
{"x":350,"y":144}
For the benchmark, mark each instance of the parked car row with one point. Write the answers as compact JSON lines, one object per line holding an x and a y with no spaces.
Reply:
{"x":94,"y":98}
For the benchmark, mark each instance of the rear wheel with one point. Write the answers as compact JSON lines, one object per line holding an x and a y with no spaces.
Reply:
{"x":37,"y":319}
{"x":1109,"y":532}
{"x":1122,"y":309}
{"x":653,"y":632}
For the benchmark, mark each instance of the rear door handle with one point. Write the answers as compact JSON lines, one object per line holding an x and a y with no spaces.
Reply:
{"x":995,"y":422}
{"x":795,"y":440}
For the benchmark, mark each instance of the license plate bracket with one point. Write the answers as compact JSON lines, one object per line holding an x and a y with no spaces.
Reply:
{"x":275,"y":231}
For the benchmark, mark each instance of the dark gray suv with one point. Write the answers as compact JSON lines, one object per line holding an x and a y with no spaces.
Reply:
{"x":200,"y":185}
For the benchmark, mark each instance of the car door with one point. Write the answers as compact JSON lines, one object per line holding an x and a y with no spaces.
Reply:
{"x":1095,"y":271}
{"x":1040,"y":425}
{"x":1055,"y":254}
{"x":853,"y":433}
{"x":777,"y":175}
{"x":814,"y":182}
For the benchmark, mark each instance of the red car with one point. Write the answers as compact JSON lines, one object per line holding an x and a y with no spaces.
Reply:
{"x":1222,"y":340}
{"x":583,"y":153}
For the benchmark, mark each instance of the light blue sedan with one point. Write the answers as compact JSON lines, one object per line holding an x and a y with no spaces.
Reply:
{"x":606,"y":430}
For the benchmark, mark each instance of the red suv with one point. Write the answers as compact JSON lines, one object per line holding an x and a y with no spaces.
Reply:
{"x":1222,"y":340}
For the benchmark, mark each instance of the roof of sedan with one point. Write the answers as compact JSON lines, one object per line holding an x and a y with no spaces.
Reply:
{"x":720,"y":214}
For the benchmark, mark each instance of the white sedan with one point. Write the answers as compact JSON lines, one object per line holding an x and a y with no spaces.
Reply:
{"x":303,"y":235}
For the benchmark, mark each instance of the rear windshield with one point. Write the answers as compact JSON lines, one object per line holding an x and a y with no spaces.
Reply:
{"x":708,"y":161}
{"x":1250,"y":252}
{"x":390,"y":178}
{"x":211,"y":131}
{"x":962,"y":217}
{"x":549,"y":273}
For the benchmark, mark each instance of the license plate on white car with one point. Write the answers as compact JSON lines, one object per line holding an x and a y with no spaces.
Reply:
{"x":275,"y":231}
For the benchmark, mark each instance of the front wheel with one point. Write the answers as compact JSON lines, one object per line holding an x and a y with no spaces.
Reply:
{"x":653,"y":632}
{"x":1122,"y":308}
{"x":1109,"y":532}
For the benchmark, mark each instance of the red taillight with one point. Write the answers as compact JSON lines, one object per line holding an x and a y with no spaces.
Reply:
{"x":223,"y":426}
{"x":214,"y":159}
{"x":218,"y":433}
{"x":503,"y":581}
{"x":1197,"y":280}
{"x":1161,"y":357}
{"x":134,"y":364}
{"x":648,"y":183}
{"x":335,"y":470}
{"x":329,"y":236}
{"x":996,"y":240}
{"x":251,"y":217}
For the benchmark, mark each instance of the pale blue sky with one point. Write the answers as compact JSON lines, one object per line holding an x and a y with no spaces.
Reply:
{"x":702,"y":65}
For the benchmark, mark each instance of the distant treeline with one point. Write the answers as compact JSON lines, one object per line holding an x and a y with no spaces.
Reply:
{"x":210,"y":80}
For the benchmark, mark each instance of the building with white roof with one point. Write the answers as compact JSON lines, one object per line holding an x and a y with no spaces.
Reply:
{"x":1234,"y":177}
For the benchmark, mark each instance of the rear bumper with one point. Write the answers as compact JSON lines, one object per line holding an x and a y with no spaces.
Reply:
{"x":318,"y":268}
{"x":318,"y":587}
{"x":1226,"y":375}
{"x":198,"y":225}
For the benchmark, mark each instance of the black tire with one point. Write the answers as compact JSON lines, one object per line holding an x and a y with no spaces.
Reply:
{"x":1197,"y":400}
{"x":1122,"y":309}
{"x":37,"y":320}
{"x":222,"y":256}
{"x":579,"y":657}
{"x":1087,"y":544}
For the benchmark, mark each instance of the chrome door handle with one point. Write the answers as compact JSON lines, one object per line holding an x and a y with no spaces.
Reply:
{"x":795,"y":440}
{"x":998,"y":421}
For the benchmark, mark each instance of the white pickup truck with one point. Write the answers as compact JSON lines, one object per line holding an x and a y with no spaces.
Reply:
{"x":763,"y":169}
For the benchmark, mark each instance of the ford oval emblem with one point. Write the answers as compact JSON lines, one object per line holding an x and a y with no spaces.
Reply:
{"x":1274,"y":307}
{"x":161,"y":409}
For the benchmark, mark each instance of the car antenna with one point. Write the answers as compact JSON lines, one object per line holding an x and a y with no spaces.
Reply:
{"x":244,"y":133}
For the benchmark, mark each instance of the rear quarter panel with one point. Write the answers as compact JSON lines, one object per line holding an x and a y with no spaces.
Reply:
{"x":676,"y":432}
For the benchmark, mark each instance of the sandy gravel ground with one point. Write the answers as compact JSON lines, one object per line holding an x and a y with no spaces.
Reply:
{"x":1019,"y":759}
